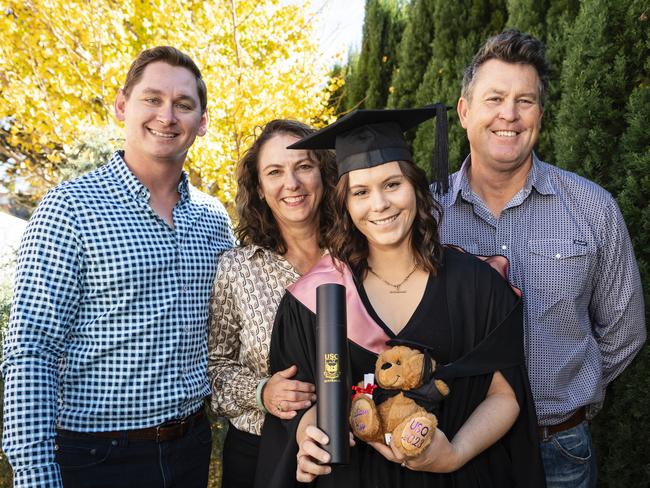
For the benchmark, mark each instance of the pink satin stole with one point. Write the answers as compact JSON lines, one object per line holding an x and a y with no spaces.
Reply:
{"x":362,"y":329}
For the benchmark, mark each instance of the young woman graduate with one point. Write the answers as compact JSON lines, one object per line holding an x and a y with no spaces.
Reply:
{"x":401,"y":283}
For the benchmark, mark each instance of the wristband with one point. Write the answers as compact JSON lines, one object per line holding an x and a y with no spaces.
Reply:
{"x":258,"y":395}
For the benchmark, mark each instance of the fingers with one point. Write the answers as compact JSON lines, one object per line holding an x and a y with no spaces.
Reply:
{"x":283,"y":397}
{"x":299,"y":405}
{"x":287,"y":410}
{"x":307,"y":470}
{"x":281,"y":410}
{"x":294,"y":385}
{"x":297,"y":386}
{"x":388,"y":452}
{"x":314,"y":433}
{"x":289,"y":372}
{"x":312,"y":458}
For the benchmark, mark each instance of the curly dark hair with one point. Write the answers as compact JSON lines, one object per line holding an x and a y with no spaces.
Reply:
{"x":257,"y":225}
{"x":510,"y":46}
{"x":350,"y":246}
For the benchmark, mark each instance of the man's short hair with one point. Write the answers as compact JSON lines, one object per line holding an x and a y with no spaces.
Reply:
{"x":510,"y":46}
{"x":171,"y":56}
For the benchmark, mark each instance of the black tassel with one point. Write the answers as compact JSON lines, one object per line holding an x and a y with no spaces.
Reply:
{"x":440,"y":159}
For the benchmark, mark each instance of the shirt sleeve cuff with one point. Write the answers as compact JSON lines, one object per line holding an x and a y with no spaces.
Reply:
{"x":45,"y":476}
{"x":258,"y":395}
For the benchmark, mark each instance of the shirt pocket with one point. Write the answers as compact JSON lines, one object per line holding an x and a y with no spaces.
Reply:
{"x":557,"y":267}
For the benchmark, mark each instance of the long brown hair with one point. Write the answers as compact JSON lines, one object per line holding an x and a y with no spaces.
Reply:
{"x":257,"y":225}
{"x":350,"y":246}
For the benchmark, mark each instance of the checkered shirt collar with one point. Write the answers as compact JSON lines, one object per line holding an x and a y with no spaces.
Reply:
{"x":117,"y":167}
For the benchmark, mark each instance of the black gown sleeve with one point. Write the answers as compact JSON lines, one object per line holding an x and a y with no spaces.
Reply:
{"x":522,"y":440}
{"x":292,"y":342}
{"x":491,"y":315}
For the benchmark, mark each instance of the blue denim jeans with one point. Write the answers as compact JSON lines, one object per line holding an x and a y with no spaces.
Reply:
{"x":569,"y":458}
{"x":92,"y":462}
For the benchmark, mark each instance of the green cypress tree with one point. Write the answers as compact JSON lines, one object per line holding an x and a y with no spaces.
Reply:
{"x":382,"y":31}
{"x":620,"y":429}
{"x":595,"y":82}
{"x":413,"y":54}
{"x":459,"y":27}
{"x":528,"y":16}
{"x":351,"y":91}
{"x":559,"y":21}
{"x":356,"y":76}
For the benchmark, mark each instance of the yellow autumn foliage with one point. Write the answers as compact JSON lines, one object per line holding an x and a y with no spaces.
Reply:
{"x":63,"y":61}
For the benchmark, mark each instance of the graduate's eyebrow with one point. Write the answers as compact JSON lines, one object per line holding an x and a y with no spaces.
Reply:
{"x":383,"y":182}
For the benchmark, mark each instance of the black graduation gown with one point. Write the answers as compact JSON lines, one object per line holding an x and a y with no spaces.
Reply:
{"x":484,"y":333}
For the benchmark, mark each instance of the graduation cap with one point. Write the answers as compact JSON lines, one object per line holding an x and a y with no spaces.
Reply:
{"x":427,"y":372}
{"x":368,"y":138}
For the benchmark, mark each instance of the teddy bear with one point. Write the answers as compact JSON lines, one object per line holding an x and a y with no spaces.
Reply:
{"x":388,"y":412}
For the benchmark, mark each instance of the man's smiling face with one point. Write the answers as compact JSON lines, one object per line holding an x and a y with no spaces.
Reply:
{"x":162,"y":114}
{"x":502,"y":114}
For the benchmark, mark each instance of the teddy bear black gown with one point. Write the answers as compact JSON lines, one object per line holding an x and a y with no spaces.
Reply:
{"x":472,"y":321}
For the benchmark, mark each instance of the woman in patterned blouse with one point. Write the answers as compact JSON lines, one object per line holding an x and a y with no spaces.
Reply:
{"x":283,"y":219}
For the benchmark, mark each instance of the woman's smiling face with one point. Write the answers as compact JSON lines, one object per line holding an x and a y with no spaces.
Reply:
{"x":382,"y":205}
{"x":290,"y":182}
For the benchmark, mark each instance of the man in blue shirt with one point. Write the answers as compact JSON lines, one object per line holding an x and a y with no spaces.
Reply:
{"x":105,"y":355}
{"x":568,"y":247}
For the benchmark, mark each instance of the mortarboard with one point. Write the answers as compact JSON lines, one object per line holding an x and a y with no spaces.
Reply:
{"x":368,"y":138}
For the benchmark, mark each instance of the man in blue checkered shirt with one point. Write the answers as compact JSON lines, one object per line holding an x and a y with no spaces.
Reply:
{"x":568,"y":247}
{"x":105,"y":356}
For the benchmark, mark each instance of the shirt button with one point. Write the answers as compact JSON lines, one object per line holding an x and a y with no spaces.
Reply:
{"x":504,"y":247}
{"x":184,"y":288}
{"x":558,"y":256}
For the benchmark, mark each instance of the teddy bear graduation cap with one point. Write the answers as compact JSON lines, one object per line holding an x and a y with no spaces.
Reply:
{"x":400,"y":408}
{"x":368,"y":138}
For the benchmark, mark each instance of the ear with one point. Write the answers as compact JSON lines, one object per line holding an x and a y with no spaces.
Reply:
{"x":120,"y":105}
{"x":415,"y":367}
{"x":203,"y":125}
{"x":463,"y":110}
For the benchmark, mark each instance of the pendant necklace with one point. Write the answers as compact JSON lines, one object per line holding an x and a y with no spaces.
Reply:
{"x":397,"y":286}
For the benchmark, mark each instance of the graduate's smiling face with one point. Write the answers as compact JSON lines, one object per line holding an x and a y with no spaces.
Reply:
{"x":382,"y":205}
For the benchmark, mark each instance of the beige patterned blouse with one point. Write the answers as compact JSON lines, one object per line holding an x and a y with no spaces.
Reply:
{"x":248,"y":287}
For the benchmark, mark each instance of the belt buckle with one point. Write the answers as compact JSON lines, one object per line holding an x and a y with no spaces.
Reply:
{"x":545,"y":434}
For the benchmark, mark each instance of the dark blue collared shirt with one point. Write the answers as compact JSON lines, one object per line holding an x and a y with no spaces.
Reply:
{"x":108,"y":328}
{"x":571,"y":255}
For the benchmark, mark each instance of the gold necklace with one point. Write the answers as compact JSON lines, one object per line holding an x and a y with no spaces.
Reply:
{"x":398,"y":285}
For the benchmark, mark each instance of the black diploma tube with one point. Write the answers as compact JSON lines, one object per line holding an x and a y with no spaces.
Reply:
{"x":333,"y":380}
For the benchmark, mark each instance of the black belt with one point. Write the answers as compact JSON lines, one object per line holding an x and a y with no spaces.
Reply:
{"x":575,"y":419}
{"x":168,"y":431}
